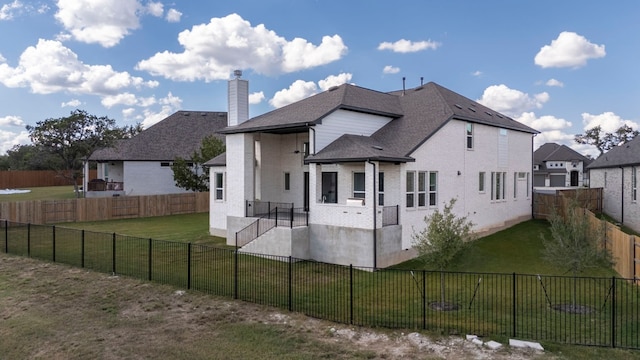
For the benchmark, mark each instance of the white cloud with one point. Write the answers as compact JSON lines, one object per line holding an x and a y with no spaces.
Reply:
{"x":568,"y":50}
{"x":128,"y":113}
{"x":510,"y":101}
{"x":173,"y":15}
{"x":7,"y":11}
{"x":256,"y":97}
{"x":9,"y":139}
{"x":543,"y":123}
{"x":11,"y":120}
{"x":477,"y":73}
{"x":407,"y":46}
{"x":126,"y":98}
{"x":297,"y":91}
{"x":50,"y":67}
{"x":609,"y":122}
{"x":334,"y":80}
{"x":104,"y":22}
{"x":155,"y":9}
{"x":554,"y":82}
{"x":390,"y":70}
{"x":212,"y":51}
{"x":71,"y":103}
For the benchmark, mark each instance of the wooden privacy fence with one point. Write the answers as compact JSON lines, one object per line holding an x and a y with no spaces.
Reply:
{"x":15,"y":179}
{"x":623,"y":247}
{"x":107,"y":208}
{"x":543,"y":204}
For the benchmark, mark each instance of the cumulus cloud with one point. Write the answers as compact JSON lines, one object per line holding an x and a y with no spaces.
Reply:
{"x":543,"y":123}
{"x":11,"y":120}
{"x":408,"y":46}
{"x":8,"y":11}
{"x":510,"y":101}
{"x":50,"y":67}
{"x":302,"y":89}
{"x":568,"y":50}
{"x":155,"y":8}
{"x":256,"y":97}
{"x":173,"y":16}
{"x":554,"y":82}
{"x":390,"y":70}
{"x":71,"y":103}
{"x":477,"y":73}
{"x":212,"y":51}
{"x":9,"y":139}
{"x":609,"y":122}
{"x":103,"y":22}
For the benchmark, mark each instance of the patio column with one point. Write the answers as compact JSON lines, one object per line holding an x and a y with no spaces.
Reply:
{"x":240,"y":172}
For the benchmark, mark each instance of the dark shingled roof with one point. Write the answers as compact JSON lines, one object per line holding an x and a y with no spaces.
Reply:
{"x":220,"y":160}
{"x":622,"y":155}
{"x":556,"y":152}
{"x":356,"y":148}
{"x":180,"y":134}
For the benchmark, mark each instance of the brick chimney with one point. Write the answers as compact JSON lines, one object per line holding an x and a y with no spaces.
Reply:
{"x":238,"y":99}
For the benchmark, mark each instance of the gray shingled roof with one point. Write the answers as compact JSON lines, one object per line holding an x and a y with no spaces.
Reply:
{"x":356,"y":148}
{"x":557,"y":152}
{"x":622,"y":155}
{"x":180,"y":134}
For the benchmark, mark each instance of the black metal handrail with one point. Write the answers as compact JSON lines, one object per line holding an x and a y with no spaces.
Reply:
{"x":259,"y":208}
{"x":283,"y":217}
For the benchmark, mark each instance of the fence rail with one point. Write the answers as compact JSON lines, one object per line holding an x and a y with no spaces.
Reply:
{"x":13,"y":179}
{"x":107,"y":208}
{"x":575,"y":310}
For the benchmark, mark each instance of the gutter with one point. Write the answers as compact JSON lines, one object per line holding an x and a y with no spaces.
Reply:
{"x":375,"y":210}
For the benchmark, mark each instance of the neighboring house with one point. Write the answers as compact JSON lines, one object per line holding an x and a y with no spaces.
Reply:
{"x":617,"y":172}
{"x":141,"y":165}
{"x":559,"y":166}
{"x":353,"y":172}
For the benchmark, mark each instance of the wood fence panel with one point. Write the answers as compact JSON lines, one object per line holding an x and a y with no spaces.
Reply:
{"x":14,"y":179}
{"x":544,"y":204}
{"x":622,"y":246}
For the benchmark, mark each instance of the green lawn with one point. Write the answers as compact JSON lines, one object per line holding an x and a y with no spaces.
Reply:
{"x":42,"y":193}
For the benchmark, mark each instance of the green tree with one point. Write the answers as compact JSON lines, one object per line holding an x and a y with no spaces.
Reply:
{"x":190,"y":174}
{"x":445,"y":236}
{"x":606,"y":141}
{"x":31,"y":157}
{"x":74,"y":138}
{"x":575,"y":244}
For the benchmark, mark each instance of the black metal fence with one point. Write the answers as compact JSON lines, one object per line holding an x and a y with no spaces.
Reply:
{"x":574,"y":310}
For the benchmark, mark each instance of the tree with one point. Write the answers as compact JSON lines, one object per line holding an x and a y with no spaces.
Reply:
{"x":31,"y":157}
{"x":606,"y":141}
{"x":74,"y":138}
{"x":574,"y":244}
{"x":445,"y":236}
{"x":191,"y":174}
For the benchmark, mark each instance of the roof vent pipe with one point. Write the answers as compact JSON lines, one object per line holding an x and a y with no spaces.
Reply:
{"x":421,"y":80}
{"x":403,"y":82}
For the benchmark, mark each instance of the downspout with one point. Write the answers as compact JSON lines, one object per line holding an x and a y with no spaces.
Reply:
{"x":622,"y":196}
{"x":375,"y":226}
{"x":533,"y":215}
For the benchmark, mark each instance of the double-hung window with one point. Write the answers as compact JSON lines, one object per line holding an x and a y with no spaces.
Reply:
{"x":498,"y":185}
{"x":422,"y":188}
{"x":219,"y":186}
{"x":411,"y":189}
{"x":287,"y":181}
{"x":358,"y":185}
{"x":481,"y":180}
{"x":433,"y":188}
{"x":381,"y":189}
{"x":469,"y":136}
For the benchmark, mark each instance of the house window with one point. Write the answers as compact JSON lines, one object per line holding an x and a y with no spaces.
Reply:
{"x":498,"y":182}
{"x":381,"y":189}
{"x":411,"y":188}
{"x":515,"y":185}
{"x":330,"y":187}
{"x":358,"y":185}
{"x":469,"y":136}
{"x":433,"y":188}
{"x":287,"y":181}
{"x":305,"y":149}
{"x":605,"y":179}
{"x":528,"y":185}
{"x":481,"y":177}
{"x":219,"y":185}
{"x":634,"y":183}
{"x":422,"y":188}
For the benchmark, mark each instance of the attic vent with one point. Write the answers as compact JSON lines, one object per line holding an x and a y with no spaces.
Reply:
{"x":488,"y":113}
{"x":472,"y":109}
{"x":498,"y":115}
{"x":458,"y":106}
{"x":377,"y":147}
{"x":203,"y":114}
{"x":186,"y":113}
{"x":333,"y":88}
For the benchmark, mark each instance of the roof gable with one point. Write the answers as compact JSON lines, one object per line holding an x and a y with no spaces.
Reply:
{"x":627,"y":154}
{"x":556,"y":152}
{"x":180,"y":134}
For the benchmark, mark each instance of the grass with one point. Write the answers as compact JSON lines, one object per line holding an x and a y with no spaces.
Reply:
{"x":42,"y":193}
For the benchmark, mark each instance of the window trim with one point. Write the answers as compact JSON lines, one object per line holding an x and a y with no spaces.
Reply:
{"x":410,"y":191}
{"x":433,"y":188}
{"x":482,"y":182}
{"x":334,"y":175}
{"x":219,"y":186}
{"x":469,"y":136}
{"x":381,"y":188}
{"x":287,"y":181}
{"x":422,"y":188}
{"x":357,"y":193}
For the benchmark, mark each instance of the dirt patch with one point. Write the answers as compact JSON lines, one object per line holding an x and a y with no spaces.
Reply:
{"x":58,"y":312}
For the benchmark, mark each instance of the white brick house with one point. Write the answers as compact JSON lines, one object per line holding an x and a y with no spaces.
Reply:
{"x":559,"y":166}
{"x":365,"y":168}
{"x":617,"y":172}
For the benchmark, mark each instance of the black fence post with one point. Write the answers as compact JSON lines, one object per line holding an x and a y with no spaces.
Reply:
{"x":150,"y":259}
{"x":290,"y":284}
{"x":188,"y":266}
{"x":351,"y":294}
{"x":6,"y":236}
{"x":513,"y":304}
{"x":53,"y":243}
{"x":424,"y":300}
{"x":235,"y":271}
{"x":113,"y":258}
{"x":82,"y":248}
{"x":276,"y":216}
{"x":613,"y":312}
{"x":291,"y":212}
{"x":29,"y":239}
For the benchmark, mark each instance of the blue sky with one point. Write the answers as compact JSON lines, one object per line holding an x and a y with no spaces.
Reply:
{"x":558,"y":66}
